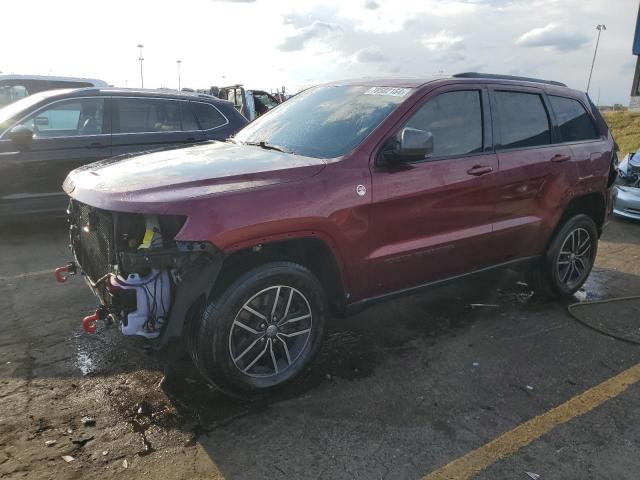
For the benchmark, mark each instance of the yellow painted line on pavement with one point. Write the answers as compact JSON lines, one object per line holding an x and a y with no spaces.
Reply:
{"x":510,"y":442}
{"x":28,"y":274}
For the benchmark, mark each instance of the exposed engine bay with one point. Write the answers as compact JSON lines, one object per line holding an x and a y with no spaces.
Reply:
{"x":133,"y":265}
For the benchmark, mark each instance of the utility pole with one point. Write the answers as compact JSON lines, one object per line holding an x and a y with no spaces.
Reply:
{"x":600,"y":28}
{"x":140,"y":47}
{"x":178,"y":62}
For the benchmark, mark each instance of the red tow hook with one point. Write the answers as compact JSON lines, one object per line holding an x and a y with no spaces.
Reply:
{"x":62,"y":273}
{"x":89,"y":323}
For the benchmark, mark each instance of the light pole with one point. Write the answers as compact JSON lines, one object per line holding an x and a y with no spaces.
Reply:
{"x":600,"y":28}
{"x":178,"y":62}
{"x":140,"y":47}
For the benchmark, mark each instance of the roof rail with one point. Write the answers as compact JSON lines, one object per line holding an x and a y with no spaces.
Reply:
{"x":506,"y":77}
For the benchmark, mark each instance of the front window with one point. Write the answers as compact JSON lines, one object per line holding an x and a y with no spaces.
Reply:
{"x":68,"y":118}
{"x":325,"y":122}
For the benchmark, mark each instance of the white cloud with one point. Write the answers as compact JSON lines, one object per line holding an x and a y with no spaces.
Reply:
{"x":371,"y":4}
{"x":442,"y":41}
{"x":370,"y":55}
{"x":316,"y":30}
{"x":552,"y":35}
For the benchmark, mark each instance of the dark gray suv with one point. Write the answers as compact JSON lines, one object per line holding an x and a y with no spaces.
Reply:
{"x":46,"y":135}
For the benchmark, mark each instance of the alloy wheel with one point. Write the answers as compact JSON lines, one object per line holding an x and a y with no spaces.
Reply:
{"x":270,"y":331}
{"x":575,"y":257}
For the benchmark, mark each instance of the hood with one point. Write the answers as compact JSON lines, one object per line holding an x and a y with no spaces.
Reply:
{"x":176,"y":175}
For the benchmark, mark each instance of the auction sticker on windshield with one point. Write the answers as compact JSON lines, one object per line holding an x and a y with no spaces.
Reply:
{"x":393,"y":91}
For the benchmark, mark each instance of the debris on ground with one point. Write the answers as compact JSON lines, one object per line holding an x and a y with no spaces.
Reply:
{"x":105,"y":453}
{"x":50,"y":443}
{"x":487,"y":305}
{"x":125,"y":464}
{"x":88,"y":421}
{"x":82,"y":440}
{"x":529,"y":387}
{"x":535,"y":476}
{"x":68,"y":458}
{"x":144,"y":408}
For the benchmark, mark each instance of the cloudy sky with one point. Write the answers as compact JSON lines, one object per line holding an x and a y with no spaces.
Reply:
{"x":268,"y":43}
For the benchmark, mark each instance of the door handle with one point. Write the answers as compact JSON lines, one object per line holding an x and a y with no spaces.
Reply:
{"x":478,"y":170}
{"x":560,"y":158}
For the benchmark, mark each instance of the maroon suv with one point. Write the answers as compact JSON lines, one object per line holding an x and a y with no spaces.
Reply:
{"x":347,"y":194}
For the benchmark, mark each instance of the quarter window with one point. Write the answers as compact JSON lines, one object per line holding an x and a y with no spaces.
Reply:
{"x":522,"y":120}
{"x":138,"y":115}
{"x":208,"y":116}
{"x":69,"y":118}
{"x":574,"y":121}
{"x":455,"y":120}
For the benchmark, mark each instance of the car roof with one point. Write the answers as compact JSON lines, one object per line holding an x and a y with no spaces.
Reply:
{"x":139,"y":92}
{"x":49,"y":78}
{"x":466,"y":77}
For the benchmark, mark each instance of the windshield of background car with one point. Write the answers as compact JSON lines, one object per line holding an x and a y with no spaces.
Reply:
{"x":325,"y":122}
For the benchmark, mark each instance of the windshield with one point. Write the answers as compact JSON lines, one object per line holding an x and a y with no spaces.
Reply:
{"x":12,"y":110}
{"x":324,"y":122}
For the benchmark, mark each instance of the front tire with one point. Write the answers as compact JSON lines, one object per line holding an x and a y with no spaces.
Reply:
{"x":262,"y":331}
{"x":569,"y":258}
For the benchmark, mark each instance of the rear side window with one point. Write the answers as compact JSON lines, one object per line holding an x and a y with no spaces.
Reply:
{"x":141,"y":115}
{"x":574,"y":121}
{"x":455,"y":120}
{"x":189,"y":122}
{"x":208,"y":116}
{"x":522,"y":120}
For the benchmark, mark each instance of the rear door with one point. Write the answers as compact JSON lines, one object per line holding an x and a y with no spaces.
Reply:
{"x":576,"y":128}
{"x":532,"y":162}
{"x":67,"y":134}
{"x":431,"y":219}
{"x":141,"y":124}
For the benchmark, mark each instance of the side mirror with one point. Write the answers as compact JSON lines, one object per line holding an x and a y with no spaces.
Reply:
{"x":21,"y":136}
{"x":409,"y":145}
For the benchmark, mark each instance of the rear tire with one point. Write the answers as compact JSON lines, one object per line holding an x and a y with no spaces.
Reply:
{"x":262,"y":331}
{"x":568,"y":260}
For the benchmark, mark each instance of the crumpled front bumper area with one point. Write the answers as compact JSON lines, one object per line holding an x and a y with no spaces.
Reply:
{"x":627,"y":202}
{"x":144,"y":281}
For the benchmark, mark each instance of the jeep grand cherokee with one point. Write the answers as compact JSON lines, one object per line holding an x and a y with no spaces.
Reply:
{"x":347,"y":194}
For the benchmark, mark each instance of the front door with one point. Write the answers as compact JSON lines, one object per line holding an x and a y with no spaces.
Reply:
{"x":66,"y":134}
{"x":432,"y":219}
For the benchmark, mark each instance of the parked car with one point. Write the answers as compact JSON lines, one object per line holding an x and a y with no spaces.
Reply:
{"x":627,"y":191}
{"x":347,"y":194}
{"x":46,"y":135}
{"x":15,"y":87}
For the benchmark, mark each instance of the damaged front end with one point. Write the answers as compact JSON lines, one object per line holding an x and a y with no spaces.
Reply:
{"x":145,"y":279}
{"x":627,"y":195}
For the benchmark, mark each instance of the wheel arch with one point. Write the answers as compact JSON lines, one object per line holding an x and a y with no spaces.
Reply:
{"x":313,"y":252}
{"x":591,"y":204}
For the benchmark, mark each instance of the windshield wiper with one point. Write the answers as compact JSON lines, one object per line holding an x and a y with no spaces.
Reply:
{"x":268,"y":146}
